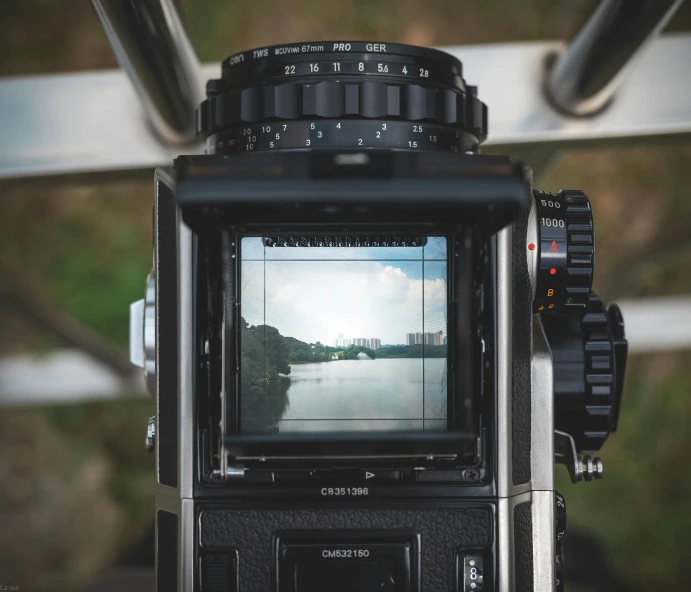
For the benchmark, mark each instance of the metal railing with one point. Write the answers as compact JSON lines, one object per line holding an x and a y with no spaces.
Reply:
{"x":152,"y":47}
{"x":585,"y":77}
{"x":542,"y":96}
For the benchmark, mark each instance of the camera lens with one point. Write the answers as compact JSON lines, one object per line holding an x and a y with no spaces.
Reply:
{"x":341,"y":94}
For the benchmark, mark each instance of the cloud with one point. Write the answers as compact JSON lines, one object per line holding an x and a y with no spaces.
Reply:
{"x":316,"y":300}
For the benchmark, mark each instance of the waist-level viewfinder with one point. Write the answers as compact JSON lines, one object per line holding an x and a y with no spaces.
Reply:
{"x":341,"y":321}
{"x":368,"y":343}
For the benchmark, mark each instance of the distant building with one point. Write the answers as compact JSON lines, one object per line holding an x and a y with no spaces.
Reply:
{"x":369,"y":342}
{"x":334,"y":356}
{"x":436,"y":338}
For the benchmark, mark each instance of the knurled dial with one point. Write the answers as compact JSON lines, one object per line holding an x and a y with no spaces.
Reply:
{"x":564,"y":251}
{"x":290,"y":101}
{"x":589,"y":356}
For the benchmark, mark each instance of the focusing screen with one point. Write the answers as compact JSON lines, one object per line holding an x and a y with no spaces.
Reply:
{"x":345,"y":334}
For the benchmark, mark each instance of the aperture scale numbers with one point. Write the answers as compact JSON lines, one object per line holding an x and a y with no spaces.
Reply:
{"x":322,"y":67}
{"x":332,"y":133}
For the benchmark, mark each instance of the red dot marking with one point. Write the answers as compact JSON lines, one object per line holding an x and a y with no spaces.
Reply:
{"x":531,"y":247}
{"x":553,"y":271}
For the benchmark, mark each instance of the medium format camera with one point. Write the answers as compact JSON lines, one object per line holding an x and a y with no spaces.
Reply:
{"x":368,"y":343}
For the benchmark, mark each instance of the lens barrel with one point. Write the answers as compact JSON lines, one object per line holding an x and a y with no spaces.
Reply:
{"x":341,"y":94}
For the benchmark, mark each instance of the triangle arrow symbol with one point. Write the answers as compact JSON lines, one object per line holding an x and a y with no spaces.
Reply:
{"x":368,"y":475}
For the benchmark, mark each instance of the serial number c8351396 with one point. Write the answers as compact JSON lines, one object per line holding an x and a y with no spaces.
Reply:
{"x":344,"y":491}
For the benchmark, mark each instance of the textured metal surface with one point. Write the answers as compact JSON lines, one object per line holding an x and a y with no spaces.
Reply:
{"x":93,"y":121}
{"x":544,"y":540}
{"x":504,"y":554}
{"x":149,"y":334}
{"x":542,"y":424}
{"x":137,"y":333}
{"x":522,"y":349}
{"x":185,"y":361}
{"x":588,"y":72}
{"x":503,"y":362}
{"x":152,"y":47}
{"x":143,"y":334}
{"x":523,"y":545}
{"x":533,"y":238}
{"x":538,"y":554}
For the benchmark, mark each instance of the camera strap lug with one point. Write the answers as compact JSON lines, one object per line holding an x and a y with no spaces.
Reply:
{"x":151,"y":434}
{"x":579,"y":469}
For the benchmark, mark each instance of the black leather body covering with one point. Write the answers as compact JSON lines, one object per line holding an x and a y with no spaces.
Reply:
{"x":442,"y":532}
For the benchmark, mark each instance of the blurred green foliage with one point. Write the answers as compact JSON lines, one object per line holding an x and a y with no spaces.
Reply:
{"x":114,"y":428}
{"x":88,"y":245}
{"x":90,"y":249}
{"x":92,"y":283}
{"x":640,"y":508}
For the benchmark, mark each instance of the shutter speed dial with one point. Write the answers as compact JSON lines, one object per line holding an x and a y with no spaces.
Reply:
{"x":563,"y":252}
{"x":586,"y":338}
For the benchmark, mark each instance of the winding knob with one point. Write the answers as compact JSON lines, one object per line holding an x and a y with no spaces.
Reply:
{"x":589,"y":354}
{"x":143,"y":334}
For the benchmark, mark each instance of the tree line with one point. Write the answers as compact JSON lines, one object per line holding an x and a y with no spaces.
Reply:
{"x":264,"y":341}
{"x":266,"y":357}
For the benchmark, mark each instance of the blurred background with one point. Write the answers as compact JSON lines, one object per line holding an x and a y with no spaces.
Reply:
{"x":76,"y":484}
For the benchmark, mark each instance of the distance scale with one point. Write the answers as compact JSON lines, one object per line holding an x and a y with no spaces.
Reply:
{"x":341,"y":133}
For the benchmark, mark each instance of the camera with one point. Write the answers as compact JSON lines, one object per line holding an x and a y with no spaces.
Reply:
{"x":368,"y":343}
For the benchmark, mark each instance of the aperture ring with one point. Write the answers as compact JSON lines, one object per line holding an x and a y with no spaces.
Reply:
{"x":304,"y":69}
{"x":369,"y":100}
{"x":252,"y":67}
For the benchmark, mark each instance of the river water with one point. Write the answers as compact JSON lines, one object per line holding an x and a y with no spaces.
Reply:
{"x":352,"y":395}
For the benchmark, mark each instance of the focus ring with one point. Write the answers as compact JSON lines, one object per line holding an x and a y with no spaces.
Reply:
{"x":591,"y":425}
{"x":330,"y":99}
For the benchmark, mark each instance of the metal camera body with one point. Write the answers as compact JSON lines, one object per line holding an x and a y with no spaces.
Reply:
{"x":535,"y":361}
